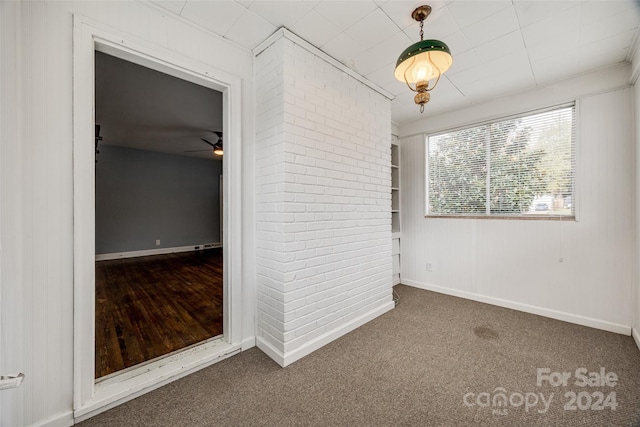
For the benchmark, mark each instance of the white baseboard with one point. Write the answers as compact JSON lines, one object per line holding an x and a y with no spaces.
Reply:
{"x":324,"y":339}
{"x":540,"y":311}
{"x":636,"y":337}
{"x":248,"y":343}
{"x":64,"y":419}
{"x":159,"y":251}
{"x":270,"y":351}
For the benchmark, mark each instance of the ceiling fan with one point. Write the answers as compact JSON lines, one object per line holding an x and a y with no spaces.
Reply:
{"x":217,"y":146}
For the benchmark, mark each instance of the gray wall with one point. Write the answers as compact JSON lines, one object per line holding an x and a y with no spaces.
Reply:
{"x":142,"y":196}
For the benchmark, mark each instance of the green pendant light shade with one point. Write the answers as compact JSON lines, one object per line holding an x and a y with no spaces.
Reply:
{"x":423,"y":61}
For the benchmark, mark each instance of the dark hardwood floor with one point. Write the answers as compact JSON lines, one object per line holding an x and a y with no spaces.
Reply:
{"x":151,"y":306}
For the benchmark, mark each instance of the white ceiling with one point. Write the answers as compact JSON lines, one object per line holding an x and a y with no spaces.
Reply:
{"x":498,"y":46}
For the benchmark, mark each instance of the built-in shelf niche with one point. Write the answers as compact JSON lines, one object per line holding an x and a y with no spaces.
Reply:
{"x":395,"y":212}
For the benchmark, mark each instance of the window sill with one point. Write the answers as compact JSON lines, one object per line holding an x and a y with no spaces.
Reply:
{"x":533,"y":217}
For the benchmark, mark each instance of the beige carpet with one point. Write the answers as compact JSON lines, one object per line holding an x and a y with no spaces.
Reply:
{"x":412,"y":367}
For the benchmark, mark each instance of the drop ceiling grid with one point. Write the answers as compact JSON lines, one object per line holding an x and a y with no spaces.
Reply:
{"x":498,"y":46}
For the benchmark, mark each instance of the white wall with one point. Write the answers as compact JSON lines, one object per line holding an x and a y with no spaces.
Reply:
{"x":516,"y":263}
{"x":37,"y":186}
{"x":12,"y":328}
{"x":636,"y":287}
{"x":323,"y":201}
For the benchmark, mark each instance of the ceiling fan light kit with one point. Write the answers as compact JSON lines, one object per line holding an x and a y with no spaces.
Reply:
{"x":217,"y":147}
{"x":423,"y":61}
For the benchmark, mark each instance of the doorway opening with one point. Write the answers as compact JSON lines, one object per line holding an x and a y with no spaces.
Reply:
{"x":158,"y":215}
{"x":91,"y":396}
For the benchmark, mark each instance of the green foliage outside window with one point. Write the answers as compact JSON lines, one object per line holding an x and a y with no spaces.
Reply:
{"x":518,"y":160}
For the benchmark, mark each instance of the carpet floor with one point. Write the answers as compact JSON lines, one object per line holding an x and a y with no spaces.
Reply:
{"x":434,"y":360}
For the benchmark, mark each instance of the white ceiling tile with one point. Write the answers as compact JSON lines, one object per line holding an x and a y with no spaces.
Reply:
{"x":457,"y":43}
{"x":406,"y":98}
{"x":553,"y":35}
{"x":344,"y":14}
{"x":443,"y":99}
{"x":446,"y":90}
{"x":440,"y":25}
{"x":498,"y":85}
{"x":404,"y":109}
{"x":282,"y":13}
{"x":250,"y":29}
{"x":217,"y":16}
{"x":467,"y":12}
{"x":532,"y":11}
{"x":503,"y":22}
{"x":382,"y":53}
{"x":373,"y":29}
{"x":607,"y":27}
{"x":396,"y":87}
{"x":568,"y":43}
{"x":501,"y":46}
{"x":593,"y":12}
{"x":491,"y":54}
{"x":464,"y":61}
{"x":400,"y":11}
{"x":343,"y":48}
{"x":605,"y":52}
{"x":316,"y":29}
{"x":605,"y":59}
{"x":172,"y":6}
{"x":555,"y":28}
{"x":383,"y":76}
{"x":556,"y":67}
{"x":517,"y":62}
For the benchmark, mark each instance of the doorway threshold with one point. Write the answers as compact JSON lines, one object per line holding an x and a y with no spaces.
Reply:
{"x":128,"y":384}
{"x":156,"y":362}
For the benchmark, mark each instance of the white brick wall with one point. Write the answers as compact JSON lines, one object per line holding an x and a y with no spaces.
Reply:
{"x":323,"y":201}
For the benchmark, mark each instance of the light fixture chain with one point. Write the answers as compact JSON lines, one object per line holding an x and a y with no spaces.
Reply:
{"x":421,"y":32}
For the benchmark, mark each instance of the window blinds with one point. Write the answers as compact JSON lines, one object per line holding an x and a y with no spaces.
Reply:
{"x":519,"y":166}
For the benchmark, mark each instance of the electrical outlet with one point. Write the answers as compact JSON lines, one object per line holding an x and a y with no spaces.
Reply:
{"x":157,"y":242}
{"x":429,"y":266}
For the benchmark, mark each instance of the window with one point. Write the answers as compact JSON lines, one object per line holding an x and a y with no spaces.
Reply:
{"x":522,"y":166}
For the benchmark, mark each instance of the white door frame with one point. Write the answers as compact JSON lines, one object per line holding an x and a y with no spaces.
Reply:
{"x":91,"y":398}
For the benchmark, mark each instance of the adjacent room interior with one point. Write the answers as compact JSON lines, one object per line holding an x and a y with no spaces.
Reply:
{"x":159,"y":263}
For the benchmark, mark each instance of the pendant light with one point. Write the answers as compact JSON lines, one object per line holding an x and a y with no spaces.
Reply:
{"x":423,"y":61}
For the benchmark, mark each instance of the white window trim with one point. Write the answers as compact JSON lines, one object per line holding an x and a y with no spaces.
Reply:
{"x":575,"y":218}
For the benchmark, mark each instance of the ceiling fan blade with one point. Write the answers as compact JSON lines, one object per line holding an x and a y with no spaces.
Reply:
{"x":211,"y":144}
{"x":196,"y":151}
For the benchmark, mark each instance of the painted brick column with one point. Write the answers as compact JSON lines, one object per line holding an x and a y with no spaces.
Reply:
{"x":323,"y":200}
